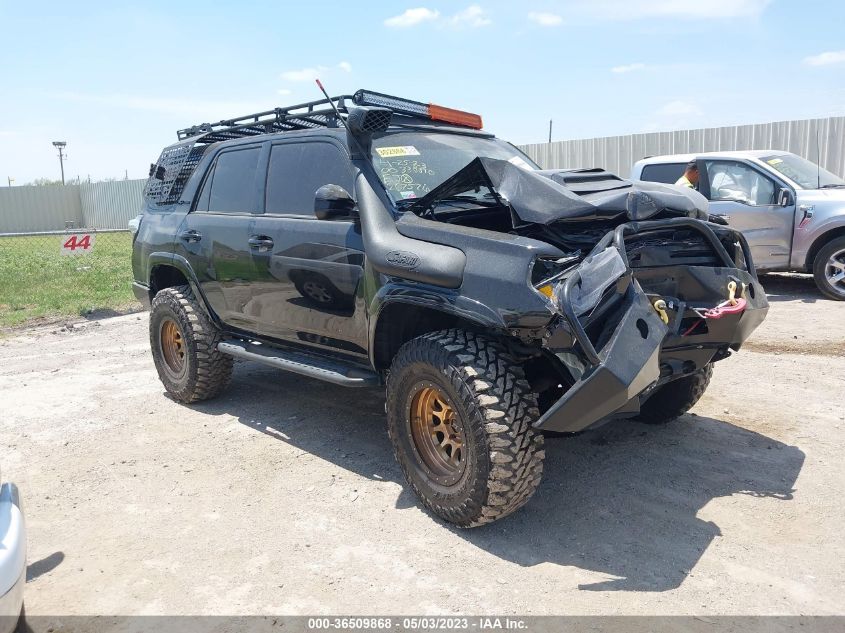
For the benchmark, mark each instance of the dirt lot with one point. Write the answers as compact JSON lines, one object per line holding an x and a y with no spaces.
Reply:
{"x":283,"y":497}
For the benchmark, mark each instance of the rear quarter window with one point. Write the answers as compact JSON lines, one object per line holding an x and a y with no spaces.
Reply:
{"x":663,"y":172}
{"x":232,"y":182}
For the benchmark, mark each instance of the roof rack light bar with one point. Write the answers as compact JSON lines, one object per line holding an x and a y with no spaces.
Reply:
{"x":417,"y":108}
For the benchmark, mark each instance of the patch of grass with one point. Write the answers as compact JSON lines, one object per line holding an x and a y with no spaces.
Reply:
{"x":36,"y":280}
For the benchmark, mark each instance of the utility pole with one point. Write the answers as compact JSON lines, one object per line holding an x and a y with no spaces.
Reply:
{"x":61,"y":145}
{"x":10,"y":179}
{"x":550,"y":130}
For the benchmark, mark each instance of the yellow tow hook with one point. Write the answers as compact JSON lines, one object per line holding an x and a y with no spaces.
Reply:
{"x":660,"y":307}
{"x":731,"y":293}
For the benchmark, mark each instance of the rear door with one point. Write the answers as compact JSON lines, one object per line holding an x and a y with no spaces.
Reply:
{"x":748,"y":199}
{"x":309,"y":270}
{"x":214,"y":236}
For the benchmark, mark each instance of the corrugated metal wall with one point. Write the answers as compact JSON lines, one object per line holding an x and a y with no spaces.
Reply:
{"x":102,"y":205}
{"x":110,"y":205}
{"x":813,"y":139}
{"x":39,"y":208}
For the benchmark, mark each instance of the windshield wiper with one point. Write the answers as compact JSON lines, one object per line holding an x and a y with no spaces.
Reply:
{"x":833,"y":185}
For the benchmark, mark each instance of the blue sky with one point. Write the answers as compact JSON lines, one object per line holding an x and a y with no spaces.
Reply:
{"x":116,"y":81}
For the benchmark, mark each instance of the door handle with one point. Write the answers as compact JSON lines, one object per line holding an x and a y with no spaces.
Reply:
{"x":190,"y":236}
{"x":261,"y":243}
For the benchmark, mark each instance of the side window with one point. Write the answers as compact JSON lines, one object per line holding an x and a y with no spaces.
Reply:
{"x":202,"y":201}
{"x":730,"y":180}
{"x":232,"y":187}
{"x":663,"y":172}
{"x":297,"y":170}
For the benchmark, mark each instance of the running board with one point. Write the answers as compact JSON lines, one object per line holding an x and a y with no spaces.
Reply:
{"x":301,"y":363}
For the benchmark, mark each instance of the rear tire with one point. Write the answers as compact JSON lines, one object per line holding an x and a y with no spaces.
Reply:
{"x":184,"y":346}
{"x":460,"y":415}
{"x":674,"y":399}
{"x":829,"y":264}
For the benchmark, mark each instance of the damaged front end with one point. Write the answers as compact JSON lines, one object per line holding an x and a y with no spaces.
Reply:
{"x":638,"y":314}
{"x":663,"y":291}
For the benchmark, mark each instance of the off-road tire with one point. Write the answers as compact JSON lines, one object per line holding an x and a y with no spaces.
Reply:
{"x":206,"y":371}
{"x":675,"y":398}
{"x":488,"y":391}
{"x":819,"y":265}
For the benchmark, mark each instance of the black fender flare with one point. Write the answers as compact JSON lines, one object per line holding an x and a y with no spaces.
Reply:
{"x":181,"y":264}
{"x":411,"y":295}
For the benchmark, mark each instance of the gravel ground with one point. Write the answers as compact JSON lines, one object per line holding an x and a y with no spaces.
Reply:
{"x":283,"y":497}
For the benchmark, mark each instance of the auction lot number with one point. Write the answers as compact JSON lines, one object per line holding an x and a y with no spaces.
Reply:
{"x":77,"y":243}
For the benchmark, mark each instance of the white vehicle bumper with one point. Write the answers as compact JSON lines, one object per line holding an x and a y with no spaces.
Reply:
{"x":12,"y":557}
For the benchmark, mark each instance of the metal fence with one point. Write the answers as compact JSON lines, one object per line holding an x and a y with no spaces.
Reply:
{"x":64,"y":273}
{"x":819,"y":140}
{"x":102,"y":205}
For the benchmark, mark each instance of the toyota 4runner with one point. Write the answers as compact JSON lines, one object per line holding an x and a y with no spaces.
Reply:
{"x":369,"y":240}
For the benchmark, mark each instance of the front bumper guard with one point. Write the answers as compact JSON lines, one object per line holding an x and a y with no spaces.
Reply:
{"x":629,"y":362}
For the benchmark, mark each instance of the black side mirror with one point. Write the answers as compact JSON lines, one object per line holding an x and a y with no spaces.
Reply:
{"x":785,"y":198}
{"x":333,"y":201}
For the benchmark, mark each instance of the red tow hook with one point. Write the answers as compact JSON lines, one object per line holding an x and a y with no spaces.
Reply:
{"x":724,"y":309}
{"x":731,"y":306}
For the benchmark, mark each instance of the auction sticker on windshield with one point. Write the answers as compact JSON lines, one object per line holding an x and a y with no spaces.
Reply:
{"x":390,"y":152}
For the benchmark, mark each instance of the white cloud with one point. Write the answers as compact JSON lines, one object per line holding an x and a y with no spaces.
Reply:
{"x":412,"y":17}
{"x":345,"y":67}
{"x":284,"y":92}
{"x":679,"y":108}
{"x":304,"y":74}
{"x":471,"y":17}
{"x":641,"y":9}
{"x":545,"y":19}
{"x":628,"y":68}
{"x":825,"y":59}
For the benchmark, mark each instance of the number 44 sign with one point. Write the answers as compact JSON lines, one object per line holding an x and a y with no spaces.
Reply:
{"x":77,"y":243}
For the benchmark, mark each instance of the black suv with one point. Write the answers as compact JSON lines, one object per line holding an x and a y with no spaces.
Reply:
{"x":370,"y":240}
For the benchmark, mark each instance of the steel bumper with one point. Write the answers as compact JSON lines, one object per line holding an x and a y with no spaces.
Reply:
{"x":642,"y":351}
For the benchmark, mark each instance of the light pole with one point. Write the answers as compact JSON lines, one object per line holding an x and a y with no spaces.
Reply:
{"x":61,"y":145}
{"x":10,"y":180}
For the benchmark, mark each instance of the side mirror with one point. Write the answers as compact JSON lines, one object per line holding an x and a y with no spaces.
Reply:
{"x":333,"y":201}
{"x":785,"y":197}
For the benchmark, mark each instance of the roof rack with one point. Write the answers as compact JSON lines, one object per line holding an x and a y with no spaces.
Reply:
{"x":312,"y":114}
{"x":321,"y":113}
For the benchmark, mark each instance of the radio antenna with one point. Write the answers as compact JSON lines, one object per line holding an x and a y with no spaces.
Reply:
{"x":331,"y":103}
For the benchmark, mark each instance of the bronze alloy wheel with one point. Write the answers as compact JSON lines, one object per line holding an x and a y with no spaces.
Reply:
{"x":438,"y":434}
{"x":172,"y":346}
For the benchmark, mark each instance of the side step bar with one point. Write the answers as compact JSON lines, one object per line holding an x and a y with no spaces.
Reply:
{"x":301,"y":363}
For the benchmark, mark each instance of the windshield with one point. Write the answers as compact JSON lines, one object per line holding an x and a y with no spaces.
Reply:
{"x":410,"y":164}
{"x":804,"y":173}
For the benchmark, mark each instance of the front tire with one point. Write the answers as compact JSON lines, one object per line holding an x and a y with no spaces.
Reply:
{"x":184,"y":346}
{"x":460,"y":415}
{"x":829,"y":269}
{"x":674,"y":399}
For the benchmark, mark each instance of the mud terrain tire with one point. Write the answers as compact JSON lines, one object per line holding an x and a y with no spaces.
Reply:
{"x":474,"y":380}
{"x":674,"y":399}
{"x":184,"y":347}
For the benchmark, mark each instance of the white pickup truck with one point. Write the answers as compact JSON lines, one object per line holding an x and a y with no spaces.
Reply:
{"x":791,"y":211}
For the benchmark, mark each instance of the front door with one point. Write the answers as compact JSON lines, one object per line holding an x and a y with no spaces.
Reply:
{"x":308,"y":271}
{"x":748,"y":199}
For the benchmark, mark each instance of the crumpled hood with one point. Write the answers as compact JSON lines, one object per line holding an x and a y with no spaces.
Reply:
{"x":543,"y":197}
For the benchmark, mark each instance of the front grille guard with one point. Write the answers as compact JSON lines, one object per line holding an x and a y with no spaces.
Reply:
{"x":617,"y":238}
